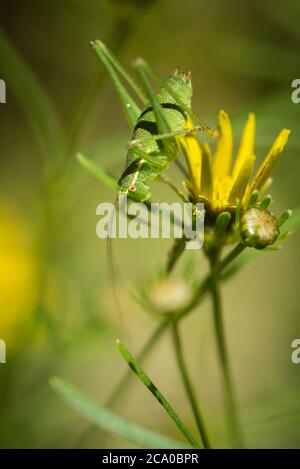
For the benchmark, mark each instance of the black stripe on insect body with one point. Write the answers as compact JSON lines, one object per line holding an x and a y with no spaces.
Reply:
{"x":173,"y":106}
{"x":151,"y":128}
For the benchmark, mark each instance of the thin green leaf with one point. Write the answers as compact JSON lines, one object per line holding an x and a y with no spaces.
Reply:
{"x":97,"y":171}
{"x":268,"y":411}
{"x":248,"y":256}
{"x":222,"y":223}
{"x":266,"y":202}
{"x":108,"y":420}
{"x":30,"y":94}
{"x":284,"y":217}
{"x":156,"y":393}
{"x":130,"y":108}
{"x":292,"y":223}
{"x":122,"y":71}
{"x":153,"y":339}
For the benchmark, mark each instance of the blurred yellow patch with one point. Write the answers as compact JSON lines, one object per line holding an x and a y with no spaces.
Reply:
{"x":17,"y":275}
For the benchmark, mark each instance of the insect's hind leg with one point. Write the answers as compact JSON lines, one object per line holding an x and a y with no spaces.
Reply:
{"x":163,"y":127}
{"x":157,"y":137}
{"x":159,"y":164}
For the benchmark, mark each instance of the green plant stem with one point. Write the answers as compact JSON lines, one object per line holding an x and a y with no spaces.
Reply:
{"x":114,"y":397}
{"x":124,"y":381}
{"x":202,"y":288}
{"x":188,"y":386}
{"x":146,"y":380}
{"x":175,"y":253}
{"x":229,"y":395}
{"x":200,"y":291}
{"x":146,"y":349}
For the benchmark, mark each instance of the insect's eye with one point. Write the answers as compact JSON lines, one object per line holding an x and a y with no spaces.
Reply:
{"x":132,"y":187}
{"x":259,"y":228}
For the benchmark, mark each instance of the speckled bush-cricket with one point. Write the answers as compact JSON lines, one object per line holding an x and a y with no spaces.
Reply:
{"x":158,"y":128}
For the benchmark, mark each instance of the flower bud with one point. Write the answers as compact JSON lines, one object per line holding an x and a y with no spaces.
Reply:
{"x":258,"y":228}
{"x":170,"y":295}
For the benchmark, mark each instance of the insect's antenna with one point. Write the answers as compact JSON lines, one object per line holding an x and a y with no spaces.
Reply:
{"x":112,"y":268}
{"x":187,"y":76}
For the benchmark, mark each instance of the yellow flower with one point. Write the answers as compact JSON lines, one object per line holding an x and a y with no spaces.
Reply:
{"x":217,"y":182}
{"x":17,"y":276}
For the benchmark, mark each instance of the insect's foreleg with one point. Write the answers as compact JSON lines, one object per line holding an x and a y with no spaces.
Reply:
{"x":159,"y":163}
{"x":130,"y":108}
{"x":157,"y":137}
{"x":174,"y":188}
{"x":204,"y":128}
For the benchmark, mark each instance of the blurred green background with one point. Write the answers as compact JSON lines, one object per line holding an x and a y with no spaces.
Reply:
{"x":57,"y":312}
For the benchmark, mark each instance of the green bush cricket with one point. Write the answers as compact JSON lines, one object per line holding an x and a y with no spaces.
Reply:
{"x":165,"y":117}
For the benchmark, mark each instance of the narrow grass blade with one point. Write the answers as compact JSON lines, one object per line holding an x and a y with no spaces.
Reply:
{"x":245,"y":259}
{"x":156,"y":393}
{"x":292,"y":222}
{"x":130,"y":108}
{"x":30,"y":94}
{"x":161,"y":121}
{"x":131,"y":82}
{"x":153,"y":339}
{"x":274,"y":409}
{"x":284,"y":217}
{"x":97,"y":171}
{"x":108,"y":420}
{"x":222,"y":223}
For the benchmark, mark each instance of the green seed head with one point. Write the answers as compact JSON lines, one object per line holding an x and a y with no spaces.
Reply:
{"x":170,"y":295}
{"x":259,"y":228}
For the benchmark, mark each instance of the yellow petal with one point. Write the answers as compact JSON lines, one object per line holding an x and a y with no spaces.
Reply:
{"x":222,"y":187}
{"x":242,"y":180}
{"x":223,"y":153}
{"x":266,"y":186}
{"x":246,"y":145}
{"x":270,"y":161}
{"x":193,"y":154}
{"x":206,"y":186}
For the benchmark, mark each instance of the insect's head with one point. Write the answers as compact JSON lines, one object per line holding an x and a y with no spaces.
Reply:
{"x":184,"y":76}
{"x":181,"y":84}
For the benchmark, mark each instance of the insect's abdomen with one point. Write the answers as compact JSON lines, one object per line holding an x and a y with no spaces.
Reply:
{"x":146,"y":127}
